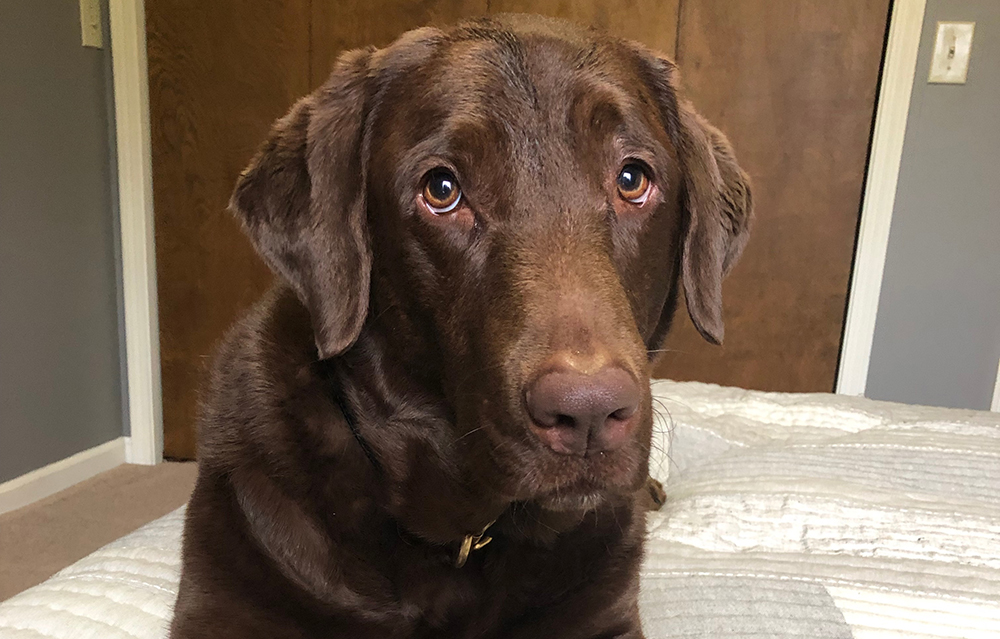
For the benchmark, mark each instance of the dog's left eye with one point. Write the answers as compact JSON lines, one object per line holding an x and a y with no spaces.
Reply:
{"x":633,"y":183}
{"x":441,"y":191}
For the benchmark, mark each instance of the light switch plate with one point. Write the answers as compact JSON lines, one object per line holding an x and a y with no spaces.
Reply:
{"x":952,"y":47}
{"x":90,"y":23}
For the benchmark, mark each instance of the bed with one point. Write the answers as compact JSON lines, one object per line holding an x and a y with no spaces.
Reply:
{"x":787,"y":515}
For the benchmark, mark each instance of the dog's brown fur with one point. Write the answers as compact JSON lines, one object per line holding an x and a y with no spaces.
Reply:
{"x":369,"y":414}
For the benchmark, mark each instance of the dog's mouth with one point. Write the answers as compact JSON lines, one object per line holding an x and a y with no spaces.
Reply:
{"x":570,"y":502}
{"x":583,"y":494}
{"x":588,"y":492}
{"x":563,"y":483}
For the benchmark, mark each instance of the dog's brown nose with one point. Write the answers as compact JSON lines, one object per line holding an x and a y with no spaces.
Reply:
{"x":574,"y":413}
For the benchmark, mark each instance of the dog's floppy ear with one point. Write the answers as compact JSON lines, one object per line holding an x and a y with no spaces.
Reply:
{"x":302,"y":202}
{"x":716,"y":198}
{"x":719,"y":210}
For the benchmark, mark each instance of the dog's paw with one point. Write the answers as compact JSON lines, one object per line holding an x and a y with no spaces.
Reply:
{"x":651,"y":495}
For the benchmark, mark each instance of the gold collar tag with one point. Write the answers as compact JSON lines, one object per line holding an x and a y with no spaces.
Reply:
{"x":470,"y":543}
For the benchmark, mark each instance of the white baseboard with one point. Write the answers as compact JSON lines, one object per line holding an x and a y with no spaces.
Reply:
{"x":995,"y":405}
{"x":48,"y":480}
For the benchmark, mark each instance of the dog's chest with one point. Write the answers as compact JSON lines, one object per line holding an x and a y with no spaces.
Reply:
{"x":498,"y":586}
{"x":442,"y":598}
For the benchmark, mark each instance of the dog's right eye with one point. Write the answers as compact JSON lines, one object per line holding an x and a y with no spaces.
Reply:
{"x":441,"y":191}
{"x":633,"y":183}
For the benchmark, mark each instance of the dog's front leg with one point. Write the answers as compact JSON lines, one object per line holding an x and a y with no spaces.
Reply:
{"x":570,"y":629}
{"x":580,"y":618}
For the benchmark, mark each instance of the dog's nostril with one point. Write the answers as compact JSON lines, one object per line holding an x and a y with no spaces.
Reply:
{"x":565,"y":421}
{"x":622,"y":413}
{"x":573,"y":412}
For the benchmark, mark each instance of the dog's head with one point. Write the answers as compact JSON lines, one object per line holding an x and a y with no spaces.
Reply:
{"x":510,"y":206}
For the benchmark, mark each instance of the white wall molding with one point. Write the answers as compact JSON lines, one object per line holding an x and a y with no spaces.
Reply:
{"x":48,"y":480}
{"x":135,"y":192}
{"x":995,"y":405}
{"x":893,"y":108}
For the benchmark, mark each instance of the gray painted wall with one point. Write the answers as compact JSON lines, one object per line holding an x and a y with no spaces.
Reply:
{"x":60,"y":370}
{"x":937,"y":336}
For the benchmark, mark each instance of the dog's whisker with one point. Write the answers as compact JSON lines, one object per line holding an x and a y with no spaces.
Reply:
{"x":658,"y":442}
{"x":474,"y":430}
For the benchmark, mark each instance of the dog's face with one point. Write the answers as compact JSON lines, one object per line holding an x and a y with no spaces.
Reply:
{"x":509,"y":207}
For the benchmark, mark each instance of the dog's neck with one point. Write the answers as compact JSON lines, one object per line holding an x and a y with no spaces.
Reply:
{"x":403,"y":426}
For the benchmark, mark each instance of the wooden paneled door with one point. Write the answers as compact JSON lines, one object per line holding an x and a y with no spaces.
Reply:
{"x":792,"y":82}
{"x":219,"y":72}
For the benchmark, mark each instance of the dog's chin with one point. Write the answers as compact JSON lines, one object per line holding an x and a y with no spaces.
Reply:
{"x":572,"y":502}
{"x":584,"y":494}
{"x":573,"y":484}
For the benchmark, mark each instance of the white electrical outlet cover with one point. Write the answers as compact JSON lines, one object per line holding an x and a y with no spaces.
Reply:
{"x":952,"y":47}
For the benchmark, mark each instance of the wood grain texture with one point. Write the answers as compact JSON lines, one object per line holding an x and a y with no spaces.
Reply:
{"x":793,"y":85}
{"x":341,"y":26}
{"x":651,"y":22}
{"x":220,"y":72}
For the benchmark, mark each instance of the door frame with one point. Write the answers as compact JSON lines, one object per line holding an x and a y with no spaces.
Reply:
{"x":135,"y":199}
{"x":898,"y":74}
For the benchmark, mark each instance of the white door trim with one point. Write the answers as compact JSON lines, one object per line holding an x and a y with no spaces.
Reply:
{"x":898,"y":74}
{"x":135,"y":193}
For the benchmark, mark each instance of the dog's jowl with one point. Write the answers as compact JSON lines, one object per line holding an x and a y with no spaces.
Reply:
{"x":438,"y":425}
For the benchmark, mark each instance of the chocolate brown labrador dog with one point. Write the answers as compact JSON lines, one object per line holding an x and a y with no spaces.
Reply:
{"x":438,"y":424}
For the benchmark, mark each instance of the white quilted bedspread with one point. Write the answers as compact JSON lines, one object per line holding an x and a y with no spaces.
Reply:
{"x":125,"y":590}
{"x":788,"y":516}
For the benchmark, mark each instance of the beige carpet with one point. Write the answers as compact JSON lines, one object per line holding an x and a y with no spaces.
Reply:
{"x":40,"y":539}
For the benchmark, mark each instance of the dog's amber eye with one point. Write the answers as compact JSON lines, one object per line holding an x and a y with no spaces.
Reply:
{"x":441,"y":191}
{"x":633,"y":183}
